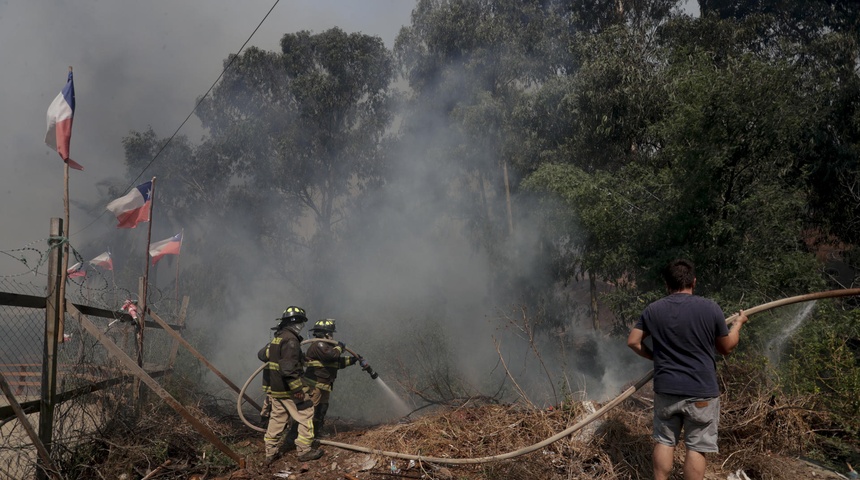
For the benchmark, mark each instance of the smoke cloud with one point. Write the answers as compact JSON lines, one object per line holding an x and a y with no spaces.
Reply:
{"x":413,"y":291}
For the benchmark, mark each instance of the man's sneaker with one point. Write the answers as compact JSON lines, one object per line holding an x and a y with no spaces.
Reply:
{"x":269,"y":460}
{"x":310,"y":455}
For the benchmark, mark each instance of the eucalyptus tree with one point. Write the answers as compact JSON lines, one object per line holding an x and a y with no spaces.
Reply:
{"x":304,"y":128}
{"x":700,"y":148}
{"x":192,"y":193}
{"x":292,"y":137}
{"x":305,"y":125}
{"x":820,"y":42}
{"x":467,"y":64}
{"x":595,"y":119}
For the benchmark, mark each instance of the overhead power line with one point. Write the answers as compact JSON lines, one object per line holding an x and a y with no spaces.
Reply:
{"x":176,"y":132}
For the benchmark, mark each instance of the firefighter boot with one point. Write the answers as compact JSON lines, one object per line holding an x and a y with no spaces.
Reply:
{"x":310,"y":455}
{"x":290,"y":440}
{"x":318,"y":429}
{"x":319,"y":420}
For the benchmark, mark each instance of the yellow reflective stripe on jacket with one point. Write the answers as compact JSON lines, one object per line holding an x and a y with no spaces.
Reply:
{"x":315,"y":384}
{"x":295,"y":386}
{"x":317,"y":363}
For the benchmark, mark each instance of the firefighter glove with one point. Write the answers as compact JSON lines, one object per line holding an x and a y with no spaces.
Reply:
{"x":363,"y":363}
{"x":341,"y":345}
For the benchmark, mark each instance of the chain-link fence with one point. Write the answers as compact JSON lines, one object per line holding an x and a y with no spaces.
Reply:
{"x":93,"y":387}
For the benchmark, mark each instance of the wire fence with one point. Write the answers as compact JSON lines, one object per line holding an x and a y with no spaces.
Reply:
{"x":93,"y":387}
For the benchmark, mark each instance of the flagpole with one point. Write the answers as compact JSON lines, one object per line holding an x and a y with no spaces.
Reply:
{"x":142,"y":313}
{"x":181,"y":239}
{"x":66,"y":230}
{"x":112,"y":276}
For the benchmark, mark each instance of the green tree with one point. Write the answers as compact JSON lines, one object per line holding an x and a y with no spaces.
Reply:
{"x":468,"y":63}
{"x":306,"y":124}
{"x":292,"y":137}
{"x":709,"y":164}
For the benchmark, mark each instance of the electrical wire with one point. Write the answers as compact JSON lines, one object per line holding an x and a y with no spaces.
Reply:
{"x":200,"y":101}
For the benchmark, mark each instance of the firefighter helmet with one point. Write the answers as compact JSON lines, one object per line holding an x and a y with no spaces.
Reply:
{"x":325,"y":325}
{"x":294,"y":314}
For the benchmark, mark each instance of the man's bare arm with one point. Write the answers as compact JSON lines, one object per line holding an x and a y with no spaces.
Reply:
{"x":636,"y":343}
{"x":726,"y":344}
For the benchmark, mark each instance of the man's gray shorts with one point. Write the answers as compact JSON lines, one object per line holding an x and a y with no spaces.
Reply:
{"x":699,"y":418}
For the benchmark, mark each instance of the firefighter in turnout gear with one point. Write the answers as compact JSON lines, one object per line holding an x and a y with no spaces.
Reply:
{"x":282,"y":383}
{"x":323,"y":360}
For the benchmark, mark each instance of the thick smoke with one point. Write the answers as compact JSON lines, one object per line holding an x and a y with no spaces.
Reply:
{"x":416,"y":294}
{"x":413,"y":290}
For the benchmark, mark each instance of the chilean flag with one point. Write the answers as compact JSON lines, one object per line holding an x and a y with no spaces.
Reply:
{"x":76,"y":270}
{"x":170,"y":246}
{"x":104,"y":260}
{"x":130,"y":306}
{"x":132,"y":208}
{"x":60,"y":114}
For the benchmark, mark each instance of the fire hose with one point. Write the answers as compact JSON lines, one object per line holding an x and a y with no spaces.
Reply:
{"x":366,"y":368}
{"x":582,"y":423}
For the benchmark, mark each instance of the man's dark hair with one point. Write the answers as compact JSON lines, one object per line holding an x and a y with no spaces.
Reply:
{"x":679,"y":274}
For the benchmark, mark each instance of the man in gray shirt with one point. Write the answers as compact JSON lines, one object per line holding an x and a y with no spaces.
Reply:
{"x":687,"y":331}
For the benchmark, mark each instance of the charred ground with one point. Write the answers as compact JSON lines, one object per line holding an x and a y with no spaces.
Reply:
{"x":763,"y":434}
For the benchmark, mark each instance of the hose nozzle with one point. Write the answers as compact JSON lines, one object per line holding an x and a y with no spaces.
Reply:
{"x":366,"y":367}
{"x":370,"y":372}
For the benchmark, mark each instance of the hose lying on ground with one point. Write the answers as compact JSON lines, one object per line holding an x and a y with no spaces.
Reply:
{"x":579,"y":425}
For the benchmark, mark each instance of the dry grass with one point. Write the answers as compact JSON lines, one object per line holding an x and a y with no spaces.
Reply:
{"x":757,"y":431}
{"x":474,"y":432}
{"x":756,"y":424}
{"x":132,"y":446}
{"x":760,"y":432}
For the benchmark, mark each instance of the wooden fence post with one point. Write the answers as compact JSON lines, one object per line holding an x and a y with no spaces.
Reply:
{"x":140,"y":326}
{"x":131,"y":366}
{"x":52,"y":325}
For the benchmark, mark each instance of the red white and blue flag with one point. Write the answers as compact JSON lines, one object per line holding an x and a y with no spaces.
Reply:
{"x":80,"y":269}
{"x":133,"y":208}
{"x":104,"y":260}
{"x":130,"y":306}
{"x":77,"y":270}
{"x":60,"y":114}
{"x":170,"y":246}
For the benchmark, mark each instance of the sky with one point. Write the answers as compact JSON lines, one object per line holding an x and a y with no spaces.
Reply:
{"x":136,"y":64}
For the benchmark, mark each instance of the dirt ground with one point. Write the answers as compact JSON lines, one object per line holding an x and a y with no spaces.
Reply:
{"x":341,"y":464}
{"x":760,"y":439}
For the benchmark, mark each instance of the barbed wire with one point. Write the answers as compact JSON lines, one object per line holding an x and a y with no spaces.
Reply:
{"x":95,"y":287}
{"x":22,"y":254}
